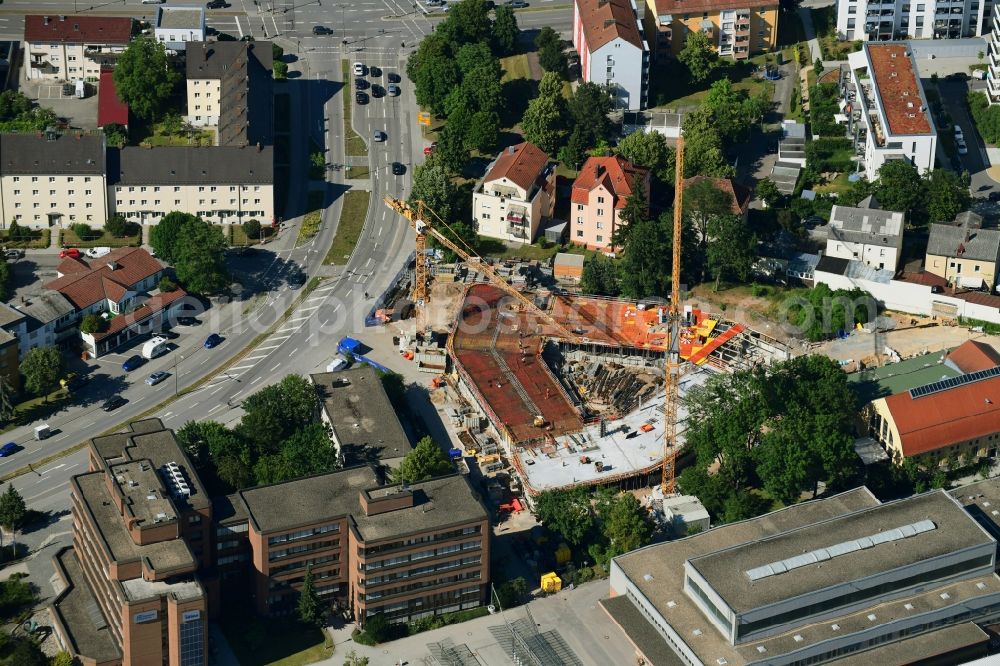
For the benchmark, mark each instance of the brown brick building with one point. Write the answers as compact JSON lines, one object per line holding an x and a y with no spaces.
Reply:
{"x":154,"y":557}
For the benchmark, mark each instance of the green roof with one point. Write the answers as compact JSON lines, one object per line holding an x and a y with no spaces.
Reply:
{"x":899,"y":377}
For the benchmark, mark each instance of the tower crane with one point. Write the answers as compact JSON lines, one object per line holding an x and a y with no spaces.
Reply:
{"x":672,"y":371}
{"x":419,"y":216}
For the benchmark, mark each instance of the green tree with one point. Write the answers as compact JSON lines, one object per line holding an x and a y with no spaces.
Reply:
{"x":166,"y":285}
{"x":199,"y":259}
{"x":306,"y":451}
{"x":83,"y":231}
{"x":279,"y":69}
{"x":511,"y":593}
{"x":475,"y":55}
{"x":433,"y":71}
{"x":625,"y":525}
{"x":165,"y":236}
{"x":15,"y":232}
{"x":42,"y":368}
{"x":567,"y":513}
{"x":252,"y":229}
{"x":649,"y":149}
{"x":433,"y":186}
{"x":218,"y":453}
{"x":483,"y":132}
{"x":703,"y":154}
{"x":588,"y":108}
{"x":116,"y":135}
{"x":768,"y":192}
{"x":12,"y":513}
{"x":946,"y":196}
{"x":899,"y":186}
{"x":450,"y":151}
{"x":505,"y":31}
{"x":600,"y":276}
{"x":4,"y":279}
{"x":468,"y":22}
{"x":353,"y":659}
{"x":310,"y":606}
{"x":544,"y":121}
{"x":145,"y":78}
{"x":547,"y":36}
{"x":92,"y":323}
{"x":699,"y":56}
{"x":574,"y":153}
{"x":117,"y":226}
{"x":276,"y":412}
{"x":732,"y":250}
{"x":425,"y":461}
{"x":19,"y":113}
{"x":27,"y":653}
{"x":62,"y":658}
{"x":552,"y":59}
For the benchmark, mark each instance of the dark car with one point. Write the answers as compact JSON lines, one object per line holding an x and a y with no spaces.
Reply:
{"x":393,"y":77}
{"x":217,"y":4}
{"x":213,"y":341}
{"x":377,"y":91}
{"x":374,"y":71}
{"x":361,"y":84}
{"x":517,"y":4}
{"x":398,"y":169}
{"x":360,"y":97}
{"x":169,"y":335}
{"x":187,"y":321}
{"x":113,"y":403}
{"x":75,"y":383}
{"x":321,"y":30}
{"x":8,"y":449}
{"x":133,"y":362}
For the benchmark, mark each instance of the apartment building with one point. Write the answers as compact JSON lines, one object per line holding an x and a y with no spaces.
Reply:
{"x":47,"y":319}
{"x":738,"y":28}
{"x":841,"y":578}
{"x":963,"y":253}
{"x":517,"y":192}
{"x":891,"y":120}
{"x":51,"y":179}
{"x":10,"y":320}
{"x":222,"y":184}
{"x":72,"y":48}
{"x":993,"y":56}
{"x":599,"y":194}
{"x":613,"y":52}
{"x":887,"y":20}
{"x":175,"y":26}
{"x":867,"y":234}
{"x":229,"y":87}
{"x":141,"y":522}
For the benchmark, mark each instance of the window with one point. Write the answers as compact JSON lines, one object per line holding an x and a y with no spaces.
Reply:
{"x":850,"y":23}
{"x":852,"y":10}
{"x":920,"y":21}
{"x":579,"y":206}
{"x":600,"y":239}
{"x":600,"y":212}
{"x":600,"y":225}
{"x":600,"y":199}
{"x":921,"y":8}
{"x":976,"y":268}
{"x":579,"y":232}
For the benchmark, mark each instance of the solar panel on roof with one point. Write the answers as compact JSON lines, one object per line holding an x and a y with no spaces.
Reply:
{"x":952,"y":382}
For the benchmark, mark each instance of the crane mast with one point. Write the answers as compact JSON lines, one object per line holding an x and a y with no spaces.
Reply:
{"x":672,"y":369}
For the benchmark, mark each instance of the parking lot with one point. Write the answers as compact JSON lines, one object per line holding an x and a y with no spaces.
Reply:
{"x":81,"y":113}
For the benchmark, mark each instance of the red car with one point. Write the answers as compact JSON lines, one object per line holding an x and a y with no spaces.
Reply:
{"x":430,"y":149}
{"x":70,"y":253}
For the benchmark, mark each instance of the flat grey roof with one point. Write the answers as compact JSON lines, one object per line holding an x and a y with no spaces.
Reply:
{"x":70,"y":154}
{"x":81,"y":615}
{"x":725,"y":570}
{"x":924,"y":647}
{"x":138,"y":589}
{"x":638,"y":629}
{"x":191,"y":165}
{"x":982,"y":501}
{"x":306,"y":501}
{"x":447,"y":500}
{"x":144,"y":491}
{"x":229,"y":509}
{"x":180,"y":17}
{"x":361,"y":414}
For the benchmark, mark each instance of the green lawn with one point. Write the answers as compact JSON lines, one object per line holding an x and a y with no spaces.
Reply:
{"x":312,"y":219}
{"x":40,"y":238}
{"x":355,"y":145}
{"x":515,"y":67}
{"x":352,"y":222}
{"x":354,"y":172}
{"x":673,"y":89}
{"x":70,"y":239}
{"x":534,"y":252}
{"x":275,"y":642}
{"x":836,"y":186}
{"x":240,"y":238}
{"x":161,"y":137}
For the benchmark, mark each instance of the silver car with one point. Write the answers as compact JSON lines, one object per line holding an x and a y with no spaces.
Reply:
{"x":156,"y":378}
{"x":379,"y":135}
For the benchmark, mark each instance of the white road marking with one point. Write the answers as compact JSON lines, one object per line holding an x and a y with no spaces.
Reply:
{"x":216,"y":391}
{"x":292,"y":353}
{"x":242,"y":367}
{"x":269,"y":347}
{"x":281,"y":337}
{"x":214,"y":408}
{"x":52,"y":469}
{"x":254,"y":358}
{"x":255,"y":381}
{"x":167,"y":415}
{"x":275,"y":367}
{"x":310,"y":308}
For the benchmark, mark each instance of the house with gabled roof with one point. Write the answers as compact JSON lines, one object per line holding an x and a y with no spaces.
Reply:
{"x":599,"y":194}
{"x":518,"y":190}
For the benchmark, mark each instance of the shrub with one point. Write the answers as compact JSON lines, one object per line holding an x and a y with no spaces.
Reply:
{"x":92,"y":323}
{"x":117,"y":226}
{"x":252,"y":229}
{"x":82,"y":231}
{"x":166,"y":284}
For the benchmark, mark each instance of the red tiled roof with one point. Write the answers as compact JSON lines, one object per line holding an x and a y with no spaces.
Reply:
{"x":700,"y":6}
{"x":741,"y":195}
{"x":947,"y":417}
{"x":110,"y":108}
{"x":153,"y":305}
{"x":924,"y":278}
{"x":84,"y":288}
{"x":605,"y":20}
{"x":78,"y":29}
{"x":69,"y":265}
{"x":520,"y":164}
{"x":973,"y":356}
{"x":896,"y":81}
{"x":615,"y":173}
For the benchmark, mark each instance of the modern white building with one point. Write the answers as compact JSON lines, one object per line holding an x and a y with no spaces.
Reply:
{"x":613,"y":52}
{"x":518,"y":190}
{"x":882,"y":21}
{"x":175,"y":26}
{"x":867,"y":234}
{"x":890,"y":117}
{"x":73,"y":48}
{"x":993,"y":57}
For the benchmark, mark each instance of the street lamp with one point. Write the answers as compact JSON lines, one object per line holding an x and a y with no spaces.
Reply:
{"x":176,"y":359}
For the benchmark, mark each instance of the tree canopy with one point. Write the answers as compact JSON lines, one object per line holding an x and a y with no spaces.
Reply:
{"x":145,"y":78}
{"x":505,"y":30}
{"x":600,"y":276}
{"x":699,"y":56}
{"x":42,"y":368}
{"x":195,"y":248}
{"x":732,"y":250}
{"x":425,"y":461}
{"x":649,"y":149}
{"x":822,"y":312}
{"x":544,"y":121}
{"x":310,"y":606}
{"x":18,"y":113}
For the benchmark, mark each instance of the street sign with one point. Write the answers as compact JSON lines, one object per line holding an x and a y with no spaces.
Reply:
{"x":423,"y":118}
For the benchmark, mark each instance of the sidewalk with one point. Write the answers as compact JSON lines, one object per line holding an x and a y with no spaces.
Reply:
{"x":807,"y":27}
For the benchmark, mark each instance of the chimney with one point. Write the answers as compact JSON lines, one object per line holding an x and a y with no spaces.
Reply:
{"x":62,"y":17}
{"x":510,"y":150}
{"x":45,"y":20}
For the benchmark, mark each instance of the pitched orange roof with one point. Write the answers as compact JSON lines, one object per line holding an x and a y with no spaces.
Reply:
{"x":741,"y":195}
{"x":70,"y":265}
{"x":973,"y":356}
{"x":615,"y":173}
{"x":152,"y":305}
{"x":83,"y":288}
{"x":521,"y":164}
{"x":605,"y":20}
{"x":950,"y":416}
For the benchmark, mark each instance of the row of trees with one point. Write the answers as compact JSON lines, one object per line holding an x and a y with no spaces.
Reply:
{"x":726,"y":116}
{"x":782,"y":428}
{"x":569,"y":127}
{"x":937,"y":196}
{"x":195,"y":248}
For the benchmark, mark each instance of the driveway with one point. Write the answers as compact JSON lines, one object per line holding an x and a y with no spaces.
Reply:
{"x":953,"y":94}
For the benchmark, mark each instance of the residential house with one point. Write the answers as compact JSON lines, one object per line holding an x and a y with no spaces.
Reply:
{"x":117,"y":287}
{"x":229,"y":88}
{"x":223,"y":184}
{"x":73,"y":48}
{"x":893,"y":118}
{"x":10,"y":372}
{"x":516,"y":193}
{"x":50,"y":179}
{"x":47,"y":319}
{"x":613,"y":52}
{"x":599,"y":194}
{"x":963,"y":253}
{"x":176,"y":26}
{"x":881,"y":20}
{"x":737,"y":28}
{"x":867,"y":234}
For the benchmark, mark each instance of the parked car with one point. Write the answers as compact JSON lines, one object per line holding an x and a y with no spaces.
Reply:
{"x":393,"y":77}
{"x":213,"y":341}
{"x":97,"y":252}
{"x":217,"y":4}
{"x":375,"y":71}
{"x":361,"y":84}
{"x":187,"y":321}
{"x":322,"y":30}
{"x":113,"y":403}
{"x":156,"y":378}
{"x":393,"y":89}
{"x":13,"y":254}
{"x":133,"y":362}
{"x":379,"y":135}
{"x":517,"y":4}
{"x":360,"y":97}
{"x":377,"y":91}
{"x":962,"y":148}
{"x":359,"y":69}
{"x":8,"y":449}
{"x":958,"y":133}
{"x":70,"y":253}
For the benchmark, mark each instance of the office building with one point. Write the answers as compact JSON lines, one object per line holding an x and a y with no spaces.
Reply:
{"x":599,"y":194}
{"x":612,"y":50}
{"x":737,"y":28}
{"x":894,"y":121}
{"x":877,"y":20}
{"x":517,"y":192}
{"x":73,"y":48}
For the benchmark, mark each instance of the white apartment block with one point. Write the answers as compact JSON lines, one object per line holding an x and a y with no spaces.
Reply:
{"x":204,"y":101}
{"x":613,"y":53}
{"x":866,"y":234}
{"x":887,"y":20}
{"x":176,"y":26}
{"x":517,"y":192}
{"x":52,"y":180}
{"x":71,"y":48}
{"x":893,"y":118}
{"x":993,"y":58}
